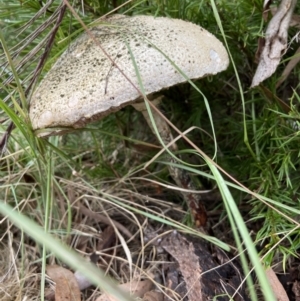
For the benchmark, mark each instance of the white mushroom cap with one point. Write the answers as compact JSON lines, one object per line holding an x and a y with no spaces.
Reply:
{"x":84,"y":85}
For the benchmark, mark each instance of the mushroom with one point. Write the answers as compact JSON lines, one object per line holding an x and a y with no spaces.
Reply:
{"x":146,"y":54}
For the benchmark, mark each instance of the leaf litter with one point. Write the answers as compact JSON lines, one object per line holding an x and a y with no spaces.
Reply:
{"x":158,"y":255}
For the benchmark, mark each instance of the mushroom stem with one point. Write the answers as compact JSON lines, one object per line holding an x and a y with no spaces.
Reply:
{"x":180,"y":176}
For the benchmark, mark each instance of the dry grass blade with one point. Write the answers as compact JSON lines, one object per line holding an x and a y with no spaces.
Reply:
{"x":17,"y":280}
{"x":288,"y":69}
{"x":60,"y":14}
{"x":101,"y":218}
{"x":26,"y":42}
{"x":41,"y":12}
{"x":47,"y":42}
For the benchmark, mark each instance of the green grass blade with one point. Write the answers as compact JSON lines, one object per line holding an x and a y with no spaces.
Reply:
{"x":239,"y":222}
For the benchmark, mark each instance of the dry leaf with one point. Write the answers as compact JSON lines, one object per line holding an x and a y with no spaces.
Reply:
{"x":277,"y":288}
{"x":135,"y":288}
{"x":184,"y":253}
{"x":275,"y":42}
{"x":272,"y":97}
{"x":295,"y":20}
{"x":66,"y":288}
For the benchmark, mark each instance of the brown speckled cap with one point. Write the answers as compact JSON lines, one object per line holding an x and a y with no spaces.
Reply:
{"x":84,"y":85}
